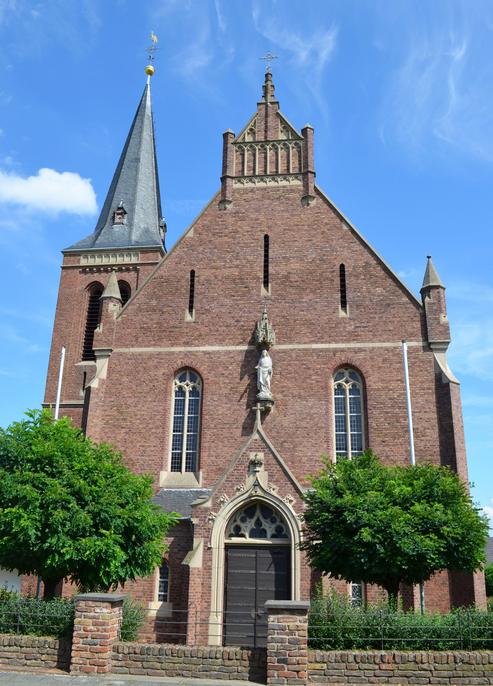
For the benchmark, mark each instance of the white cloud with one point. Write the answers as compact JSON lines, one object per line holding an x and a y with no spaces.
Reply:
{"x":311,"y":50}
{"x":49,"y":191}
{"x":439,"y":94}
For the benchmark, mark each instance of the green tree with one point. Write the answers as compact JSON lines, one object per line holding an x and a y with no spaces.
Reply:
{"x":488,"y":577}
{"x":71,"y":509}
{"x":391,"y":525}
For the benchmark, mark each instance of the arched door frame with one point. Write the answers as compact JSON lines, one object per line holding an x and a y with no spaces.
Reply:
{"x":218,"y":544}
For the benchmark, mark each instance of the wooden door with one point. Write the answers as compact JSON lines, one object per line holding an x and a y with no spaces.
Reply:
{"x":253,"y":575}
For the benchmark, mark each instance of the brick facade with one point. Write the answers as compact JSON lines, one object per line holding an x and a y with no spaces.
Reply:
{"x":267,"y":187}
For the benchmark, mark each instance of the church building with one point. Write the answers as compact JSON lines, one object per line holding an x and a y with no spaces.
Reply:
{"x":269,"y":335}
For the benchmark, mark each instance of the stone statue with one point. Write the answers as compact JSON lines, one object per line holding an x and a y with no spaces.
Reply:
{"x":264,"y":333}
{"x":264,"y":376}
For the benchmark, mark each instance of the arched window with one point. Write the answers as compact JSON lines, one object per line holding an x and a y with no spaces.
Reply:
{"x":163,"y":584}
{"x":348,"y":413}
{"x":342,"y":288}
{"x":258,"y":521}
{"x":187,"y":389}
{"x":93,"y":317}
{"x":125,"y":291}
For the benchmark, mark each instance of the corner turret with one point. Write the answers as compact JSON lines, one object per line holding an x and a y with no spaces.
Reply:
{"x":434,"y":303}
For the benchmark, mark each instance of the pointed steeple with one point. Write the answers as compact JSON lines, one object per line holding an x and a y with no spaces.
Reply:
{"x":431,"y":277}
{"x":131,"y":216}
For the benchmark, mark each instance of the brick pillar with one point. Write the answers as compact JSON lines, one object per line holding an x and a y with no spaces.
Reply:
{"x":287,"y":641}
{"x":98,"y":617}
{"x":308,"y":167}
{"x":228,"y":170}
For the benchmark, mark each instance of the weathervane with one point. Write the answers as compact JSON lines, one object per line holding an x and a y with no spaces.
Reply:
{"x":268,"y":57}
{"x":149,"y":70}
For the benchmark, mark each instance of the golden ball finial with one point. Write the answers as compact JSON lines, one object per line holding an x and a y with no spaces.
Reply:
{"x":149,"y":70}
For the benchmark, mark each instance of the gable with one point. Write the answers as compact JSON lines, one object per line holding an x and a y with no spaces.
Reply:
{"x":307,"y":246}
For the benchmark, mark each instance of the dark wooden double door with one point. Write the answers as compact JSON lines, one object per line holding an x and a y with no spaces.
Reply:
{"x":253,"y":574}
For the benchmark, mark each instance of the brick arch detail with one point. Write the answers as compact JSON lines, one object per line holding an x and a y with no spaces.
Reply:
{"x":217,"y":543}
{"x":343,"y":361}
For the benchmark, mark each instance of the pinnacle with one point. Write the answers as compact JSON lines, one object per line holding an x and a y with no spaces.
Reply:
{"x":431,"y":277}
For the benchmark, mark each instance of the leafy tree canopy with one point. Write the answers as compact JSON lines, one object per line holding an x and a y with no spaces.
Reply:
{"x":387,"y":525}
{"x":71,"y":509}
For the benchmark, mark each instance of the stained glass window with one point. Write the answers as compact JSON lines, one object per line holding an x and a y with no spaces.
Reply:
{"x":348,"y":413}
{"x":186,"y":422}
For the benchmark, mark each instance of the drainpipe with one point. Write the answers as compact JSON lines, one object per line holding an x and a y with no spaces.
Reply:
{"x":411,"y":443}
{"x":59,"y":387}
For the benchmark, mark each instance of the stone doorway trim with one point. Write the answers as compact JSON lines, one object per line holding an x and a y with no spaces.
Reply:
{"x":254,"y":493}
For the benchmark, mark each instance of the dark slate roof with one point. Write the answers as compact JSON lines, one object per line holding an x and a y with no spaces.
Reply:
{"x":180,"y":499}
{"x":135,"y":184}
{"x":489,"y":550}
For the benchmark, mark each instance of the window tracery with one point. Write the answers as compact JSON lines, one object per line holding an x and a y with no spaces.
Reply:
{"x":187,"y":390}
{"x":348,"y":413}
{"x":258,"y":521}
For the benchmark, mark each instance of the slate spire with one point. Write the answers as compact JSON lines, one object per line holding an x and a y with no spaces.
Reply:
{"x":131,"y":216}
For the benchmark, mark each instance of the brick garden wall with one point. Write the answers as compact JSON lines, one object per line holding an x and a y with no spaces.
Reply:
{"x":34,"y":651}
{"x":346,"y":667}
{"x":185,"y":661}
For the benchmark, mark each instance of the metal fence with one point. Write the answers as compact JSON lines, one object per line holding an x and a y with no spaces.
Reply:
{"x":194,"y":626}
{"x":37,"y":617}
{"x":459,"y":630}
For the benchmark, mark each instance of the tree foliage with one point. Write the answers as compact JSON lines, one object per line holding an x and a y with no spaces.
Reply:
{"x":391,"y":525}
{"x":71,"y":509}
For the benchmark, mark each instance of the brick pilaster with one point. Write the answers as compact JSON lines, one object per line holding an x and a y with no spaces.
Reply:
{"x":287,"y":642}
{"x":97,"y":622}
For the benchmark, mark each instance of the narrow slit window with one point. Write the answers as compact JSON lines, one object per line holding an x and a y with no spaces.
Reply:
{"x":191,"y":293}
{"x":266,"y":262}
{"x":343,"y":288}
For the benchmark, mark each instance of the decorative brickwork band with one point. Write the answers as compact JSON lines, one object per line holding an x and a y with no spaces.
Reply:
{"x":97,"y":622}
{"x":287,"y":642}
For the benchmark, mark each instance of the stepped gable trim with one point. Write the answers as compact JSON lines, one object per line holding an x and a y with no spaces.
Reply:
{"x":371,"y":249}
{"x":170,"y":252}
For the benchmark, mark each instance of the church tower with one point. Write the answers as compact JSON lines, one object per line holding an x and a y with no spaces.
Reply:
{"x":126,"y":244}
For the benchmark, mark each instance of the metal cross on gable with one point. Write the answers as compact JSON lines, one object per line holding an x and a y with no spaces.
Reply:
{"x":267,"y":58}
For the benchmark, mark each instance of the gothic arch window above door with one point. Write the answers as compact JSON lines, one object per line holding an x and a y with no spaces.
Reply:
{"x":187,"y":392}
{"x":259,"y":522}
{"x":348,"y":413}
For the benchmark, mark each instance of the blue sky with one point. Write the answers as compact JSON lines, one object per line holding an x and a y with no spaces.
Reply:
{"x":400,"y":95}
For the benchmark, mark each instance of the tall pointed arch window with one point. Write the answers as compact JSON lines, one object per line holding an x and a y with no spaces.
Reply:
{"x":93,"y":316}
{"x":348,"y":413}
{"x":187,"y":392}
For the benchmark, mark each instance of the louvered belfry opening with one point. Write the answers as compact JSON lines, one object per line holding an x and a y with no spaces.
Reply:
{"x":92,"y":320}
{"x":125,"y":291}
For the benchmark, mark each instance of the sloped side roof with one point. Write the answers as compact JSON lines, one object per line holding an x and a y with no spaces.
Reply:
{"x":135,"y":186}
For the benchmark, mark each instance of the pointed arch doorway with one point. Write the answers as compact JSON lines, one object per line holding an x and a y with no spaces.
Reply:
{"x":258,"y":550}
